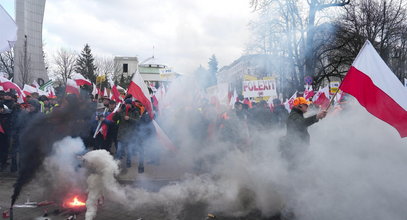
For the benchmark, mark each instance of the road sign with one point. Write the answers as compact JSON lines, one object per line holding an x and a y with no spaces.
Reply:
{"x":308,"y":80}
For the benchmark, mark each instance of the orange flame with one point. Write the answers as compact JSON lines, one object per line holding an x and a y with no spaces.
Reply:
{"x":76,"y":202}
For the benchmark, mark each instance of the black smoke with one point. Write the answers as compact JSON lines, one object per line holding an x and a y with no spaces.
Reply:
{"x":38,"y":136}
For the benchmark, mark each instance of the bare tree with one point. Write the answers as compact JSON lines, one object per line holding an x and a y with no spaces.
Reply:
{"x":289,"y":32}
{"x":64,"y":61}
{"x":105,"y":66}
{"x":382,"y":22}
{"x":7,"y":63}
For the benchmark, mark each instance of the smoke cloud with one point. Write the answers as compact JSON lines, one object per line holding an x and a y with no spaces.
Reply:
{"x":39,"y":136}
{"x":353,"y":169}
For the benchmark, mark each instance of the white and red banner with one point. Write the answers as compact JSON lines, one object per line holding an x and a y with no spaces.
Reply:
{"x":321,"y":98}
{"x":80,"y":80}
{"x":290,"y":102}
{"x":138,"y":89}
{"x":28,"y":90}
{"x":71,"y":87}
{"x":233,"y":99}
{"x":7,"y":85}
{"x":259,"y":88}
{"x":94,"y":90}
{"x":115,"y":94}
{"x":377,"y":89}
{"x":309,"y":92}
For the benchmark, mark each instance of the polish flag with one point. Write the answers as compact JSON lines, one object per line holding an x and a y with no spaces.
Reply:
{"x":138,"y":89}
{"x":290,"y":102}
{"x":377,"y":89}
{"x":322,"y":98}
{"x":104,"y":128}
{"x":27,"y":89}
{"x":115,"y":94}
{"x":7,"y":85}
{"x":51,"y":93}
{"x":35,"y":84}
{"x":338,"y":97}
{"x":309,"y":92}
{"x":94,"y":90}
{"x":163,"y":138}
{"x":233,"y":99}
{"x":71,"y":87}
{"x":80,"y":80}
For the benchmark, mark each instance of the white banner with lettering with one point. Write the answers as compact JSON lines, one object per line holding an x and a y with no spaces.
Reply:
{"x":259,"y":88}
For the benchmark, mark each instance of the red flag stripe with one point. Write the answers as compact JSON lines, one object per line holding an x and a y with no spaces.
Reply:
{"x":377,"y":102}
{"x":138,"y":94}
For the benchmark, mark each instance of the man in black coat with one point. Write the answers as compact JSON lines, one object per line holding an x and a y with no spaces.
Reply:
{"x":298,"y":138}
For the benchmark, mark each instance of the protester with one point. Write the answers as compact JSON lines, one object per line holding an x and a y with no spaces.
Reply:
{"x":297,"y":138}
{"x":128,"y":116}
{"x":279,"y":115}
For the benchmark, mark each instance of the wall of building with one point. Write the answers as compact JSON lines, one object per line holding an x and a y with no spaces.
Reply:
{"x":132,"y":65}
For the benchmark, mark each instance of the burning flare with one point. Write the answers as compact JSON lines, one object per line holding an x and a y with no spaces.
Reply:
{"x":75,"y":203}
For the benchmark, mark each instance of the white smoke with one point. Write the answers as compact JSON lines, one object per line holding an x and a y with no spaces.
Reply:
{"x":62,"y":172}
{"x":354,"y":169}
{"x":102,"y":170}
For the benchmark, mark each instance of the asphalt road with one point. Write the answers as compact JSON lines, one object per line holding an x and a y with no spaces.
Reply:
{"x":158,"y":175}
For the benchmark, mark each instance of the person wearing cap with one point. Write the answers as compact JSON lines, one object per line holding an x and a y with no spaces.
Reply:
{"x":297,"y":137}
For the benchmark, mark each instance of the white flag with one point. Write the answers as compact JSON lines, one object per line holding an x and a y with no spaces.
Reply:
{"x":8,"y":30}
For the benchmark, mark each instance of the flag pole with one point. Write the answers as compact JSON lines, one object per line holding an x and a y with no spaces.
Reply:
{"x":333,"y":97}
{"x":100,"y":123}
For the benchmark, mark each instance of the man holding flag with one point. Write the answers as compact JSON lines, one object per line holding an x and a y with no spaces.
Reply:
{"x":297,"y":138}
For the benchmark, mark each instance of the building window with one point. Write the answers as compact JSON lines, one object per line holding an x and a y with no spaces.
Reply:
{"x":125,"y":67}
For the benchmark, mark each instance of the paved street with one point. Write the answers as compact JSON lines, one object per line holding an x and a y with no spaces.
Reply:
{"x":156,"y":175}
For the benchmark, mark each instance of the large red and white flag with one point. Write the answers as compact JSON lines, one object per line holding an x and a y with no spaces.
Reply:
{"x":71,"y":87}
{"x":28,"y":90}
{"x":233,"y":99}
{"x":115,"y":94}
{"x":80,"y":80}
{"x":94,"y":90}
{"x":309,"y":92}
{"x":138,"y":89}
{"x":321,"y":98}
{"x":377,"y":89}
{"x":290,"y":102}
{"x":163,"y":138}
{"x":7,"y":85}
{"x":51,"y":93}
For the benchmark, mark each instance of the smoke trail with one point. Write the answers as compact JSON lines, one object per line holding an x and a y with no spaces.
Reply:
{"x":103,"y":169}
{"x":38,"y":137}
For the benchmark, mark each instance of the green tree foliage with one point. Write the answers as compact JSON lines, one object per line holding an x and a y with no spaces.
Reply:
{"x":85,"y":64}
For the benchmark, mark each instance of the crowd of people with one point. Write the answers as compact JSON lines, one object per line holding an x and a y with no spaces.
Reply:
{"x":101,"y":132}
{"x":121,"y":128}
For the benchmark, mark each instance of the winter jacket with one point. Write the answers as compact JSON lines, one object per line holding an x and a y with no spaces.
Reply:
{"x":297,"y":127}
{"x":127,"y":128}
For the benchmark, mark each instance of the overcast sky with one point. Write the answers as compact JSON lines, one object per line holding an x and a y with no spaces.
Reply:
{"x":185,"y":33}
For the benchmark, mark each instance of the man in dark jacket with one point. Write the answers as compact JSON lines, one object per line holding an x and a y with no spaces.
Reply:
{"x":129,"y":117}
{"x":298,"y":138}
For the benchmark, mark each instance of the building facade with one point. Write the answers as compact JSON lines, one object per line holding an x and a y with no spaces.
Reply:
{"x":258,"y":65}
{"x":125,"y":66}
{"x":29,"y":62}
